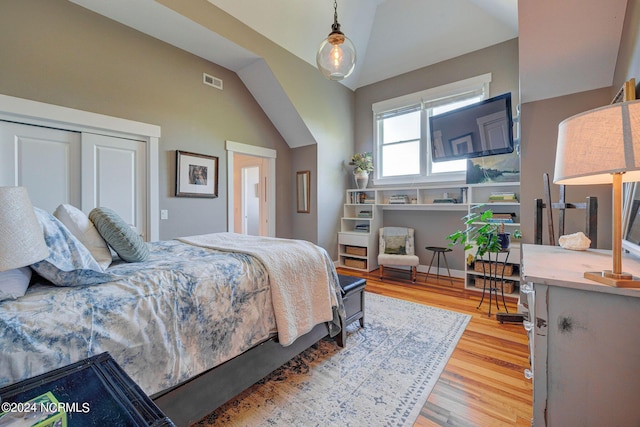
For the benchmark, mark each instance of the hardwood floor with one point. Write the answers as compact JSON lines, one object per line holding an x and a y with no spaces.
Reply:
{"x":483,"y":383}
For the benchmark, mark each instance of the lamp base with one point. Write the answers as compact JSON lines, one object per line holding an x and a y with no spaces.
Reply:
{"x":609,"y":278}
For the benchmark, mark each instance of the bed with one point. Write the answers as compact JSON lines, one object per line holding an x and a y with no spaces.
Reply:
{"x":194,"y":323}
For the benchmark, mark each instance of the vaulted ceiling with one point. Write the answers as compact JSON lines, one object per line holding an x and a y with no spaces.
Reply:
{"x":565,"y":46}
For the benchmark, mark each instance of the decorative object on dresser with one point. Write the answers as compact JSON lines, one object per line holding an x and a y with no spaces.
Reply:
{"x":196,"y":175}
{"x":597,"y":147}
{"x":397,"y":250}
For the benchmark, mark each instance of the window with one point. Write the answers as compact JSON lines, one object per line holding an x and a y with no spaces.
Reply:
{"x":401,"y":135}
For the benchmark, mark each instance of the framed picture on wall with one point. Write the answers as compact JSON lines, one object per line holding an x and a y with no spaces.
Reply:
{"x":196,"y":175}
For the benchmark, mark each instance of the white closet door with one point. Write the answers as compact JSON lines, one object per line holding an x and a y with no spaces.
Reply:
{"x":46,"y":161}
{"x":113,"y":176}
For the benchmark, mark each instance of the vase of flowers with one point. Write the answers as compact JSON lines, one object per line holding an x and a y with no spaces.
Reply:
{"x":363,"y":163}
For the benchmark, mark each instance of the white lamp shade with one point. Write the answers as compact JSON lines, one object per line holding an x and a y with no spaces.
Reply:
{"x":21,"y":238}
{"x":597,"y":143}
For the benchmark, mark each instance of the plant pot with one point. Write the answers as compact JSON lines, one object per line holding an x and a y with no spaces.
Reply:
{"x":505,"y":240}
{"x":362,"y":179}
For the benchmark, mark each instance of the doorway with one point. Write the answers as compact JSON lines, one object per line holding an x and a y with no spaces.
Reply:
{"x":251,"y":189}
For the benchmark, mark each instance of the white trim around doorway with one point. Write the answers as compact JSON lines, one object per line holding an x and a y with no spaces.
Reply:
{"x":252,"y":150}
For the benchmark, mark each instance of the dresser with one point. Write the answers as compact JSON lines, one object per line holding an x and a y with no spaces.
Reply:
{"x":584,"y":339}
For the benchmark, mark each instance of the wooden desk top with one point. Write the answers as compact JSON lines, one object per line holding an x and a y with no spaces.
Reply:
{"x":554,"y":266}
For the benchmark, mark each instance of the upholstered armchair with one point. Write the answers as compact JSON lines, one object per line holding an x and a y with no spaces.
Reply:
{"x":397,"y":249}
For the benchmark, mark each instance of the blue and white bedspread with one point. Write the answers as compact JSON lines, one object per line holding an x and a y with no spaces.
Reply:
{"x":185,"y":310}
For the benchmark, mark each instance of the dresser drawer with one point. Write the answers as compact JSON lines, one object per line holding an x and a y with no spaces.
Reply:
{"x":353,"y":239}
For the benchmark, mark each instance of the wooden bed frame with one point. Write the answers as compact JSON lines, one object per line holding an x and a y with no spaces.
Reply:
{"x":188,"y":402}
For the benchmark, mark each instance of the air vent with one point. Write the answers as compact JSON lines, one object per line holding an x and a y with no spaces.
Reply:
{"x":212,"y":81}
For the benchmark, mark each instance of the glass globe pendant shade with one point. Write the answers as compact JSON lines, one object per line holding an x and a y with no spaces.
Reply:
{"x":336,"y":57}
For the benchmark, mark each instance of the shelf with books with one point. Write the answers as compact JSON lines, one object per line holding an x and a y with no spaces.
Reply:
{"x":503,"y":201}
{"x":357,"y":239}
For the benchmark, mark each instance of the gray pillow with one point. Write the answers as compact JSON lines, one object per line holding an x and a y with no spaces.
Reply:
{"x":119,"y":235}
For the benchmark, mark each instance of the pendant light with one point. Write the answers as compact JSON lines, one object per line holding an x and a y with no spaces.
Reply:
{"x":336,"y":57}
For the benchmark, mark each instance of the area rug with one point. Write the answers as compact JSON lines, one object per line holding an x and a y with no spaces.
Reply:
{"x":382,"y":377}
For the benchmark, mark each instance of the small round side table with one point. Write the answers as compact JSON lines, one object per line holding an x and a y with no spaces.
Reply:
{"x":439,"y":251}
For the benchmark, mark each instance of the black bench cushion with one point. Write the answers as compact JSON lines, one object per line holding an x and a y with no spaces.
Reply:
{"x":351,"y":283}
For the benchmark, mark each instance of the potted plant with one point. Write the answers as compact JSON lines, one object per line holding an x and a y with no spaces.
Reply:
{"x":363,"y":163}
{"x":480,"y":231}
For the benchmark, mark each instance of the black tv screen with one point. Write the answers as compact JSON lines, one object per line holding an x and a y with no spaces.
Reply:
{"x":477,"y":130}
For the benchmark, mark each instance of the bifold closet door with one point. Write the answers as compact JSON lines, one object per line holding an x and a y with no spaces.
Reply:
{"x":82,"y":169}
{"x":46,"y":161}
{"x":113,"y":176}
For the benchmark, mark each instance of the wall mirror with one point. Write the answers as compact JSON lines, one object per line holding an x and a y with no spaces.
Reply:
{"x":302,"y":191}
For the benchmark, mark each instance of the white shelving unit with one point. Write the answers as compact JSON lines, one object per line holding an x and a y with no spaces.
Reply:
{"x":363,"y":213}
{"x":479,"y":199}
{"x":358,"y":236}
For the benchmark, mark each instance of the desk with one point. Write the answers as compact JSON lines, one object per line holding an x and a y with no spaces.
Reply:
{"x":584,"y":339}
{"x":95,"y":391}
{"x":492,"y":269}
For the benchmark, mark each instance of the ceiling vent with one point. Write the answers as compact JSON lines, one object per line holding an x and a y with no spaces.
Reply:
{"x":212,"y":81}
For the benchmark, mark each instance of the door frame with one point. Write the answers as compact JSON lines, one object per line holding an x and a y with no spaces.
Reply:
{"x":252,"y":150}
{"x":245,"y":196}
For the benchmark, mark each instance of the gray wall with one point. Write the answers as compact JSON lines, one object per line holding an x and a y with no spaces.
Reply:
{"x":501,"y":60}
{"x":628,"y":65}
{"x":57,"y":52}
{"x":540,"y":132}
{"x":304,"y":159}
{"x":326,"y":109}
{"x":539,"y":135}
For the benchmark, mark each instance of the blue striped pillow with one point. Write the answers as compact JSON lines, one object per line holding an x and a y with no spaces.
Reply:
{"x":119,"y":235}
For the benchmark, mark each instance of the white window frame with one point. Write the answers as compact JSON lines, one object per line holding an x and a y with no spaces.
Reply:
{"x":425,"y":98}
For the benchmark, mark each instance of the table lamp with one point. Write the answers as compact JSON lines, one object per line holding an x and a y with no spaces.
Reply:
{"x":21,"y":238}
{"x":602,"y":146}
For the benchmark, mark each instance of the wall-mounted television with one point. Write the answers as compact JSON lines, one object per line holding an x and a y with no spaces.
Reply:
{"x":481,"y":129}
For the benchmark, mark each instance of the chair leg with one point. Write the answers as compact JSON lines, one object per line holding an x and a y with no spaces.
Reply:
{"x":381,"y":271}
{"x":414,"y":273}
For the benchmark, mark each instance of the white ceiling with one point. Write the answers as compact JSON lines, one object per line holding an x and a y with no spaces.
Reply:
{"x":391,"y":36}
{"x":565,"y":46}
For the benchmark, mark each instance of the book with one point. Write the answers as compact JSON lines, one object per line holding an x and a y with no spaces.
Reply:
{"x":503,"y":197}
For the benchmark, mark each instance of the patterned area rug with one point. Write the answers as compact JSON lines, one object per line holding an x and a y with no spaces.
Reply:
{"x":382,"y":378}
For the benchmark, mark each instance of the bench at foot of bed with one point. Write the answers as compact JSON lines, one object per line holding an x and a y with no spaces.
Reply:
{"x":353,"y":299}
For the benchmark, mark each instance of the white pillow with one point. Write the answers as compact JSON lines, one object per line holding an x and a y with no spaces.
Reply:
{"x":69,"y":263}
{"x":14,"y":283}
{"x":83,"y":229}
